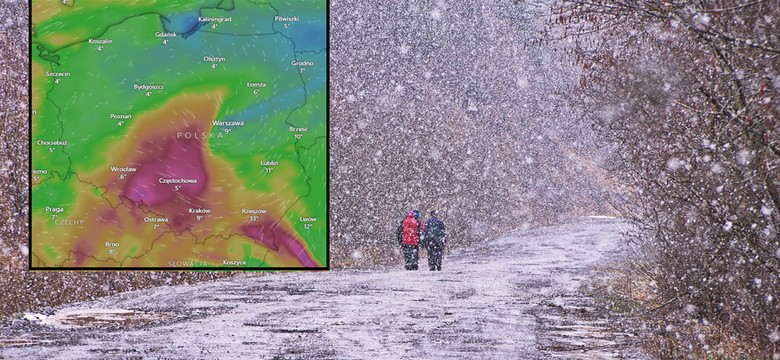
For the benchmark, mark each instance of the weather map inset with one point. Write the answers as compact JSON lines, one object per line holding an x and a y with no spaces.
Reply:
{"x":179,"y":134}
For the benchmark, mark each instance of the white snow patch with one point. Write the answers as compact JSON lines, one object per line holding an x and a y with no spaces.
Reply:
{"x":479,"y":228}
{"x":744,"y":157}
{"x":704,"y":19}
{"x":608,"y":113}
{"x":716,"y":168}
{"x":404,"y":49}
{"x":601,"y":217}
{"x":7,"y":166}
{"x":522,"y":83}
{"x":701,"y":337}
{"x":559,"y":301}
{"x":434,"y":153}
{"x":34,"y":317}
{"x":774,"y":336}
{"x":523,"y":227}
{"x":766,"y":210}
{"x":674,"y":163}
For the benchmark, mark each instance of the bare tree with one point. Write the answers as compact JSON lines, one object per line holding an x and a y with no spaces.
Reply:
{"x":438,"y":105}
{"x":688,"y":91}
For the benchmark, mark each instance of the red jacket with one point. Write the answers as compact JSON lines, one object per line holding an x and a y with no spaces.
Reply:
{"x":411,"y":230}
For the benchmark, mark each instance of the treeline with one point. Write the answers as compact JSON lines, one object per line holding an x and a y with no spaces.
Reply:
{"x":688,"y":94}
{"x":439,"y":105}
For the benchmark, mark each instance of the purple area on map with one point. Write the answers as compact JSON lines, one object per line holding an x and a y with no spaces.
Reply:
{"x":274,"y":238}
{"x":179,"y":170}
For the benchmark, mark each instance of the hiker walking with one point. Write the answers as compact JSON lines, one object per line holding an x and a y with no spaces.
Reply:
{"x":409,"y":233}
{"x":418,"y":217}
{"x":435,"y":240}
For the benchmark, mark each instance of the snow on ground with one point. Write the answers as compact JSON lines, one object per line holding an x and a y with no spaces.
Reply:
{"x":517,"y":297}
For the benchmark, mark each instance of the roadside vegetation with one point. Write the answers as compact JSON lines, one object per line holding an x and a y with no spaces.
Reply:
{"x":688,"y":94}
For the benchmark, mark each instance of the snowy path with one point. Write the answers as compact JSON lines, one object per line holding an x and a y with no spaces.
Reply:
{"x":513,"y":298}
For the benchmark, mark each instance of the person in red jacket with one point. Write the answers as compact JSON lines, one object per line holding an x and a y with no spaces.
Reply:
{"x":410,"y":241}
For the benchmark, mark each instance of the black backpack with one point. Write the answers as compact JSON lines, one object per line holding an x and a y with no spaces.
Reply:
{"x":434,"y":232}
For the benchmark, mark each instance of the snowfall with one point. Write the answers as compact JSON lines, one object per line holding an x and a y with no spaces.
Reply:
{"x":521,"y":296}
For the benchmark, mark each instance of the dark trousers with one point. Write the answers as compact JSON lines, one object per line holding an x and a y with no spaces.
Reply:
{"x":434,"y":256}
{"x":411,"y":255}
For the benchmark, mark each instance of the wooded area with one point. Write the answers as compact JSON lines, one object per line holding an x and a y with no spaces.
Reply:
{"x":688,"y":92}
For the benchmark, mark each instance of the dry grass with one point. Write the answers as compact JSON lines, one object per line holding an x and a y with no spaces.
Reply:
{"x":667,"y":330}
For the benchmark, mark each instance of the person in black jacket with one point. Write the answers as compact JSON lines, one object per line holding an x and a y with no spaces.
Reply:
{"x":435,"y":239}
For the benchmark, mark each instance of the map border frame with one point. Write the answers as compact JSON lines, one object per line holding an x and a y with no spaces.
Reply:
{"x":326,"y":266}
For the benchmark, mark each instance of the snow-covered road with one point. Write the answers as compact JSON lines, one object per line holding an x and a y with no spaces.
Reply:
{"x":514,"y":298}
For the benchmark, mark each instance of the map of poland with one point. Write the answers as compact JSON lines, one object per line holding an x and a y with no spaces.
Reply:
{"x":179,"y":134}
